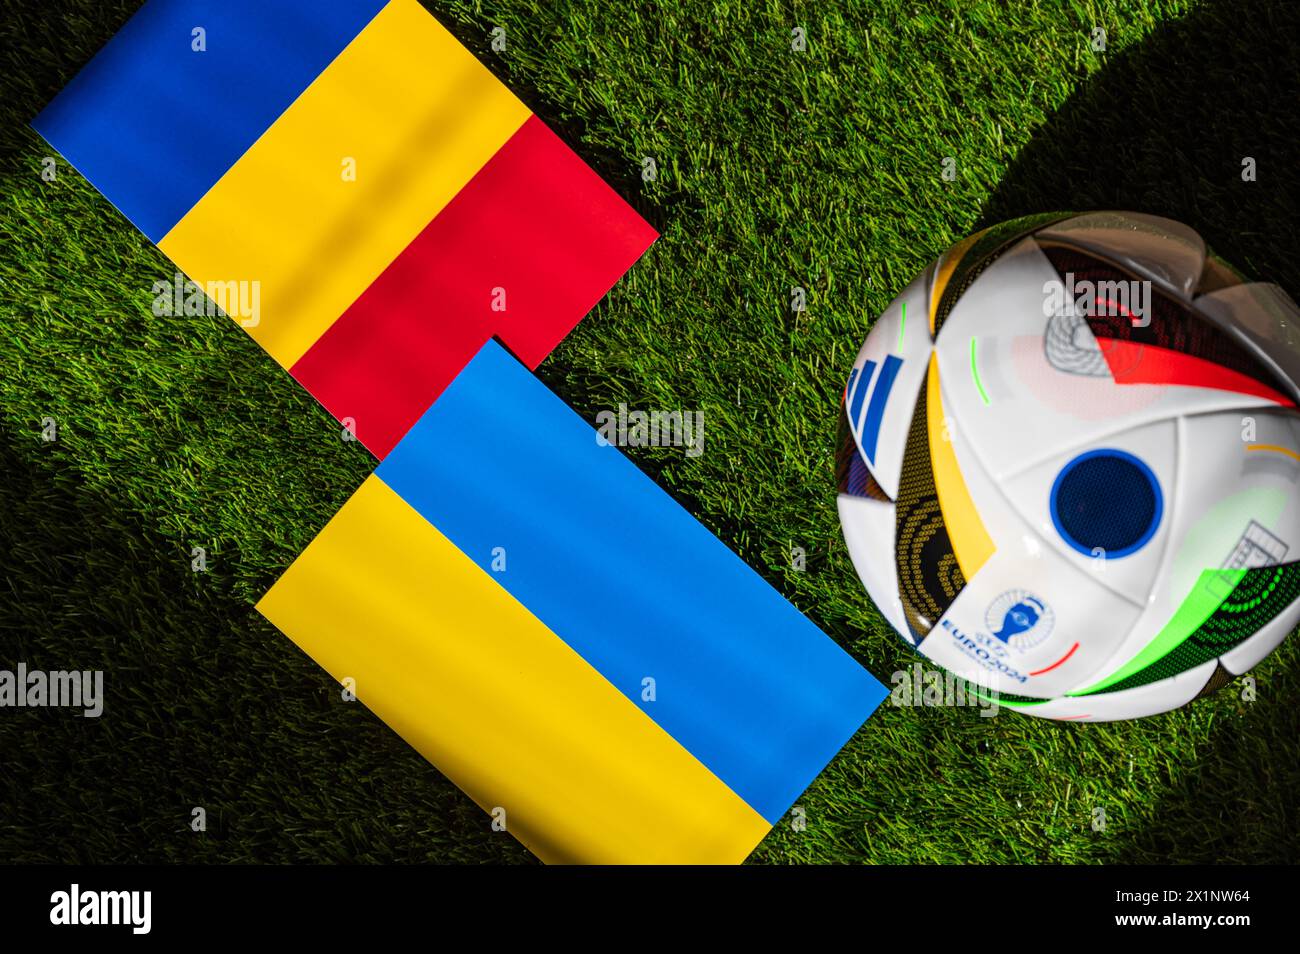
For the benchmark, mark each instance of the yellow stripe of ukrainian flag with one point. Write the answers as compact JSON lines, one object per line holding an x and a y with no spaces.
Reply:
{"x":499,"y":703}
{"x":419,"y":116}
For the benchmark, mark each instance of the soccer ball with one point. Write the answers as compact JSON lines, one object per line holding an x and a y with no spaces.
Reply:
{"x":1069,"y":465}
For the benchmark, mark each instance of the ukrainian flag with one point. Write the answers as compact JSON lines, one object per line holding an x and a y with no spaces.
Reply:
{"x":564,"y":641}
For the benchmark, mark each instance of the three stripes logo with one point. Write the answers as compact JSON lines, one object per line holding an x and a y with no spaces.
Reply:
{"x":865,"y":400}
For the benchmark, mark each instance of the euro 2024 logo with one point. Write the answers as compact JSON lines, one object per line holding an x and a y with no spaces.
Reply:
{"x":1019,"y":619}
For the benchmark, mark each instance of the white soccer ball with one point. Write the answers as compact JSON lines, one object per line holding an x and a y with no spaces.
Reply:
{"x":1069,"y":464}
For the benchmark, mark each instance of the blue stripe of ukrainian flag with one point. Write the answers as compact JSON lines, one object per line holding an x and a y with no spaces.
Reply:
{"x":527,"y":685}
{"x":629,"y":579}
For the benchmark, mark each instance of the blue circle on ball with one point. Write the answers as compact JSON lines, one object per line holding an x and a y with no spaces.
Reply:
{"x":1106,"y":500}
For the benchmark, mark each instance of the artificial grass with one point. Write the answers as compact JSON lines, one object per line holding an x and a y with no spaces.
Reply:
{"x":776,"y":168}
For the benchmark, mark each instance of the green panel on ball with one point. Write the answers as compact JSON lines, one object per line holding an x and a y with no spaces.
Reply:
{"x":1196,"y":634}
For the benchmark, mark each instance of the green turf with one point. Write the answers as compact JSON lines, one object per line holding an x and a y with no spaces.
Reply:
{"x":777,"y":168}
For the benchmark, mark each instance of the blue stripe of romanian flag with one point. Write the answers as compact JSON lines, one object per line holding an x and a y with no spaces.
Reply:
{"x":153,"y":123}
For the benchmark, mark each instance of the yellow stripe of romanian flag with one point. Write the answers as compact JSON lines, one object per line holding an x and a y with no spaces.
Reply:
{"x":405,"y":106}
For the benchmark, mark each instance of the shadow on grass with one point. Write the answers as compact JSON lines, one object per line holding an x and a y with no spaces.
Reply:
{"x":204,"y":705}
{"x":44,"y":46}
{"x":1163,"y":128}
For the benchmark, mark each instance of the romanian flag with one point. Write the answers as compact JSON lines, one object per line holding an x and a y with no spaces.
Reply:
{"x":395,"y":204}
{"x":564,"y":641}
